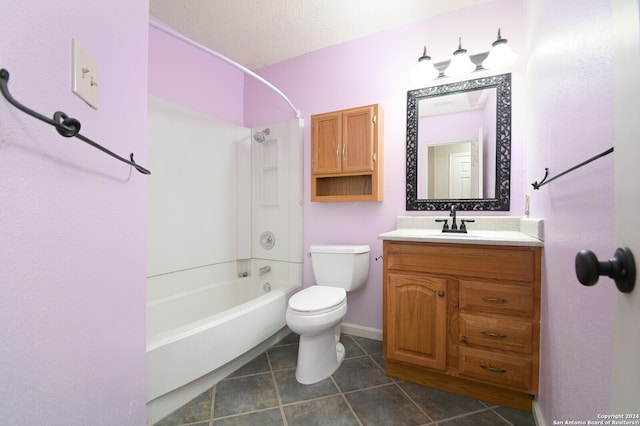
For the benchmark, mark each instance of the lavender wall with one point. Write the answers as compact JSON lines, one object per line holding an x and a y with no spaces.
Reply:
{"x":192,"y":78}
{"x":461,"y":125}
{"x":570,"y":118}
{"x":376,"y":69}
{"x":73,"y":221}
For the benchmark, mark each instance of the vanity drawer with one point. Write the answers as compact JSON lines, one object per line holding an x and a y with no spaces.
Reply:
{"x":465,"y":260}
{"x":492,"y":298}
{"x":508,"y":370}
{"x":496,"y":333}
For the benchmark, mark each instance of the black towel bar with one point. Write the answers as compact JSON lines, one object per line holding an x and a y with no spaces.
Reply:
{"x":65,"y":125}
{"x":545,"y":181}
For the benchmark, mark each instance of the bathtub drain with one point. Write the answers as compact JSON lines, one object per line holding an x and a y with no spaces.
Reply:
{"x":266,"y":287}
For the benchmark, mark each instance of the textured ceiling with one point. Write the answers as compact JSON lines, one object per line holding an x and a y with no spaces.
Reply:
{"x":256,"y":33}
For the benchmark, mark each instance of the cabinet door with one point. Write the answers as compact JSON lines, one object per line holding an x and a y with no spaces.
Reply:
{"x":416,"y":320}
{"x":358,"y":129}
{"x":326,"y":143}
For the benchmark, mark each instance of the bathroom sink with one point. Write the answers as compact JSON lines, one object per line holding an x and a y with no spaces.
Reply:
{"x":495,"y":230}
{"x":468,"y":234}
{"x":471,"y":237}
{"x":437,"y":233}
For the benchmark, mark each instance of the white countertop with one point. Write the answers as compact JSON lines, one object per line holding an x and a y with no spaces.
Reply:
{"x":495,"y":230}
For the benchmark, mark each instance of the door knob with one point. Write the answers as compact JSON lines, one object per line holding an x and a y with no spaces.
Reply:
{"x":622,"y":268}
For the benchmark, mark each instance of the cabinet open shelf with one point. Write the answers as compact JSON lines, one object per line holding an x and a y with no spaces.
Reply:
{"x":344,"y":188}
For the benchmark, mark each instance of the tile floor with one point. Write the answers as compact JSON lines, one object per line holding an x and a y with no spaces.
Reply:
{"x":265,"y":392}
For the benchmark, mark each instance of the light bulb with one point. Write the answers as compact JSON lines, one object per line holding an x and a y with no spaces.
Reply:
{"x":460,"y":63}
{"x":500,"y":55}
{"x":424,"y":71}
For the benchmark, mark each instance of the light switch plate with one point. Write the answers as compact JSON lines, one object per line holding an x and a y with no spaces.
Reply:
{"x":85,"y":75}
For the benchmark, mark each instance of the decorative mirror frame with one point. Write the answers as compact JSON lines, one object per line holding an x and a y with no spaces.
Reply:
{"x":503,"y":145}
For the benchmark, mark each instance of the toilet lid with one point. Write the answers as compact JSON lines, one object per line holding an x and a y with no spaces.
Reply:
{"x":317,"y":298}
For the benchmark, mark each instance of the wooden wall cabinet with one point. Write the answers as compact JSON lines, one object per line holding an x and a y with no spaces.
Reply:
{"x":346,"y":155}
{"x":464,"y":318}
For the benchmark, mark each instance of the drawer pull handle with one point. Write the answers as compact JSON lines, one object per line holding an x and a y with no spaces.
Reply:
{"x":494,"y":300}
{"x":493,"y":369}
{"x":491,"y":334}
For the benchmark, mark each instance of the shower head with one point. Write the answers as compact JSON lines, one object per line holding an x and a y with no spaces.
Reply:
{"x":260,"y":136}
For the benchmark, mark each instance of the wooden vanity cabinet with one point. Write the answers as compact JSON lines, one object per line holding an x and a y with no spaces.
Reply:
{"x":346,"y":155}
{"x":417,"y":303}
{"x":464,"y":318}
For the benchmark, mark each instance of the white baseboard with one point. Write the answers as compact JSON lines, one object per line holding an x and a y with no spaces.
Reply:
{"x":537,"y":414}
{"x":360,"y":331}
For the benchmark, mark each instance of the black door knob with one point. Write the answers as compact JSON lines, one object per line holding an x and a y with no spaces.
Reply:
{"x":622,"y":268}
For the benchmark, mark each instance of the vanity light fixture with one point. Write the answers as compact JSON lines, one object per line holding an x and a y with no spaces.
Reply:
{"x":501,"y":54}
{"x":425,"y":70}
{"x":461,"y":64}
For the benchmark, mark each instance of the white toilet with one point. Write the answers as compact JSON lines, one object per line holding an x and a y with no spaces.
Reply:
{"x":316,"y":312}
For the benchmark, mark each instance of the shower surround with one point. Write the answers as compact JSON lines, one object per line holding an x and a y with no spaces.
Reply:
{"x":225,"y":247}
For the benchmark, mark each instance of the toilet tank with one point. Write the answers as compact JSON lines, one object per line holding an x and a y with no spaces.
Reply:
{"x":345,"y":266}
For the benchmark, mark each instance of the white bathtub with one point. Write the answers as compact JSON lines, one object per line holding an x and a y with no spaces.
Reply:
{"x":197,"y":337}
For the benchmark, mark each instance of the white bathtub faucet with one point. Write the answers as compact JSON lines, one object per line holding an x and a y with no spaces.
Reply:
{"x":264,"y":270}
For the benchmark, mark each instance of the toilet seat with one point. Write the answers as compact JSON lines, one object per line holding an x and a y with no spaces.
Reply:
{"x":317,"y":299}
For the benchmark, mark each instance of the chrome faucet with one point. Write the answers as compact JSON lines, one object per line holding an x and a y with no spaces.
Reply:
{"x":264,"y":270}
{"x":454,"y":225}
{"x":452,"y":213}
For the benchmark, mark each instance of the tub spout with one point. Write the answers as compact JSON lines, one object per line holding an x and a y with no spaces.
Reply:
{"x":264,"y":270}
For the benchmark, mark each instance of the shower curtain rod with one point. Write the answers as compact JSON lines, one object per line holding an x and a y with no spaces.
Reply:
{"x":197,"y":45}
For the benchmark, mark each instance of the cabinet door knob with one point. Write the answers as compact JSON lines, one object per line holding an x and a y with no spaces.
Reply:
{"x":441,"y":293}
{"x":622,"y":268}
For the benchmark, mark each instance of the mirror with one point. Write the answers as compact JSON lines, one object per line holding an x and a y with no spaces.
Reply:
{"x":459,"y":145}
